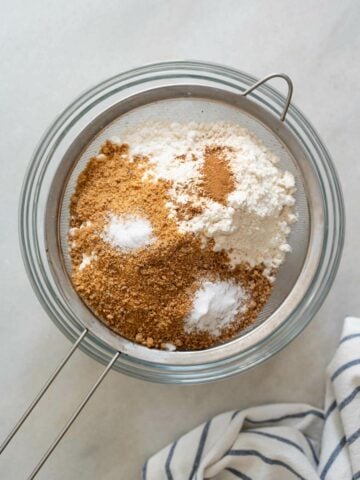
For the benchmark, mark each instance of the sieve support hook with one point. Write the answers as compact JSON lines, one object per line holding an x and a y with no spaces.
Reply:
{"x":266,"y":79}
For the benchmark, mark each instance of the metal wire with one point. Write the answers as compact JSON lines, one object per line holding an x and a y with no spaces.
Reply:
{"x":42,"y":392}
{"x":269,"y":77}
{"x":73,"y":418}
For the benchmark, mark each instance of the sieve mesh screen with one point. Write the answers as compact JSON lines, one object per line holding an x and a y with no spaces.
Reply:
{"x":201,"y":110}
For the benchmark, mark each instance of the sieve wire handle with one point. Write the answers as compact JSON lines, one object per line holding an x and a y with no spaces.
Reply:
{"x":73,"y":418}
{"x":266,"y":79}
{"x":41,"y":394}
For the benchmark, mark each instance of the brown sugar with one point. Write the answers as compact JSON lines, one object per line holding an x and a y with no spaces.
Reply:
{"x":218,"y":179}
{"x":146,"y":294}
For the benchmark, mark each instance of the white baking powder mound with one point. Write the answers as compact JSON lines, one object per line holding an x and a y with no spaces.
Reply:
{"x":215,"y":306}
{"x":128,"y":232}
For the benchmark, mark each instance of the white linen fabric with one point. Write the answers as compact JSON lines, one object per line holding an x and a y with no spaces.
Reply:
{"x":279,"y":441}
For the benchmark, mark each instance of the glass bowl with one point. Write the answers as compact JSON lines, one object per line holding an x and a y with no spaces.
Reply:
{"x":37,"y":188}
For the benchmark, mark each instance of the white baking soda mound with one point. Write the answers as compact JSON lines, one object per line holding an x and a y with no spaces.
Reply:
{"x":128,"y":232}
{"x":215,"y":306}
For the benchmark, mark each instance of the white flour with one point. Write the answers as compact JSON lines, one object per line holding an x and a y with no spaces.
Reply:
{"x":128,"y":233}
{"x":215,"y":306}
{"x":254,"y":224}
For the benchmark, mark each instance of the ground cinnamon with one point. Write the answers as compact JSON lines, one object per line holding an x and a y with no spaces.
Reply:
{"x":218,"y":180}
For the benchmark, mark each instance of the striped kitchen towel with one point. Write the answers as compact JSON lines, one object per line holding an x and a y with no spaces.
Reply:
{"x":281,"y":441}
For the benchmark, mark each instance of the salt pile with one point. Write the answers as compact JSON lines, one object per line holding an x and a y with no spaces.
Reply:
{"x":128,"y":232}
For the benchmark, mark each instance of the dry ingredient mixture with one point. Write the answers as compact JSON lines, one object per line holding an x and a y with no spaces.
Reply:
{"x":177,"y":231}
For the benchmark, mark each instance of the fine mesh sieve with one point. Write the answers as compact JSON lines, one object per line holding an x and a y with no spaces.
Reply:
{"x":198,"y":109}
{"x":178,"y":92}
{"x":187,"y":103}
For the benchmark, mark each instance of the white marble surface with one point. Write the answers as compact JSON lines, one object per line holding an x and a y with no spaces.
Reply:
{"x":52,"y":51}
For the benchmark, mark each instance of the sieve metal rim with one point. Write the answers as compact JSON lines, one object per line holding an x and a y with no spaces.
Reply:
{"x":201,"y":67}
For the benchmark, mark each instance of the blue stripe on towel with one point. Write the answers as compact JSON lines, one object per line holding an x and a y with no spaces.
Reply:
{"x":285,"y":417}
{"x":316,"y":459}
{"x":330,"y":409}
{"x":278,"y":438}
{"x":269,"y":461}
{"x":144,"y":471}
{"x":349,"y":337}
{"x":349,"y":398}
{"x":345,"y":367}
{"x":332,"y":458}
{"x":200,"y":449}
{"x":168,"y":461}
{"x":237,"y":473}
{"x":337,"y":451}
{"x":234,"y":414}
{"x":353,"y":437}
{"x":344,"y":403}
